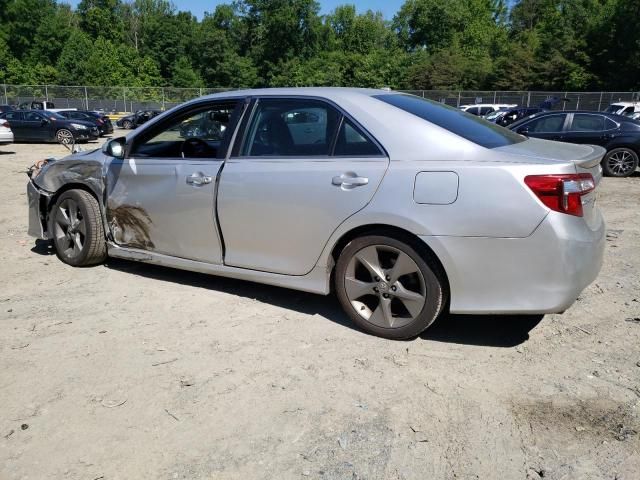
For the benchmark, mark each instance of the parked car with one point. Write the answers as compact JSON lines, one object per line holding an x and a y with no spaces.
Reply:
{"x":6,"y":135}
{"x":512,"y":115}
{"x":623,"y":108}
{"x":41,"y":105}
{"x":482,"y":109}
{"x":620,"y":136}
{"x":404,"y":206}
{"x":5,"y":108}
{"x":634,"y":116}
{"x":137,"y":119}
{"x":101,"y":121}
{"x":45,"y":126}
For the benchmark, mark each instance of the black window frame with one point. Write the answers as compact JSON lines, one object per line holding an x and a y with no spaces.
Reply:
{"x":559,"y":114}
{"x":573,"y":117}
{"x":243,"y":130}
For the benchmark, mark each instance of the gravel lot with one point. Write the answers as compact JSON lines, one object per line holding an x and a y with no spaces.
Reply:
{"x":127,"y":371}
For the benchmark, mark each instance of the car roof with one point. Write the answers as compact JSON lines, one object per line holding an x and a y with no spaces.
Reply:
{"x":324,"y":92}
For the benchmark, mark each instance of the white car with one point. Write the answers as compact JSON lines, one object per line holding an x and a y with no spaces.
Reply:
{"x":482,"y":109}
{"x":6,"y":135}
{"x":623,"y":108}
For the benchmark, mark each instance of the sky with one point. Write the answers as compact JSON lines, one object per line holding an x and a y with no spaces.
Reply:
{"x":198,"y":7}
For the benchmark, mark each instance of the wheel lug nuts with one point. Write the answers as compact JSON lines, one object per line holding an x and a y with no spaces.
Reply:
{"x":385,"y":295}
{"x":375,"y":289}
{"x":377,"y":279}
{"x":394,"y":288}
{"x":388,"y":278}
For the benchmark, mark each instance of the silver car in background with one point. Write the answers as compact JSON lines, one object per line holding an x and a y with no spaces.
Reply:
{"x":6,"y":134}
{"x":402,"y":206}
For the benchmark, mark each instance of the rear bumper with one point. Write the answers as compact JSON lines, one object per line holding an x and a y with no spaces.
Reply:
{"x":542,"y":273}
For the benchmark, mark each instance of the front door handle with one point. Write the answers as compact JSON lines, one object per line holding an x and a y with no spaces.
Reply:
{"x":349,"y":180}
{"x":198,"y":179}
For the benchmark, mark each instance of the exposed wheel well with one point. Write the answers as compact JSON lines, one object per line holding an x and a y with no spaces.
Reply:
{"x":399,"y":234}
{"x":65,"y":188}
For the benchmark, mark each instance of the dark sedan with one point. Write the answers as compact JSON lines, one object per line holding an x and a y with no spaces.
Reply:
{"x":511,"y":115}
{"x":619,"y":135}
{"x":137,"y":119}
{"x":101,"y":121}
{"x":44,"y":126}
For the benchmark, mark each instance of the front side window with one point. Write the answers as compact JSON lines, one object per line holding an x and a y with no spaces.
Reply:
{"x":550,"y":124}
{"x":291,"y":128}
{"x":196,"y":134}
{"x":587,"y":123}
{"x":32,"y":117}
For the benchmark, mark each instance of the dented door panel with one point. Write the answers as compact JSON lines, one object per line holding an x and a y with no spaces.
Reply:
{"x":151,"y":205}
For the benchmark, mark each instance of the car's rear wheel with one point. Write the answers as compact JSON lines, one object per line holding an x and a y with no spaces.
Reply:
{"x":64,"y":136}
{"x":620,"y":162}
{"x":77,"y":229}
{"x":388,"y":288}
{"x":127,"y":124}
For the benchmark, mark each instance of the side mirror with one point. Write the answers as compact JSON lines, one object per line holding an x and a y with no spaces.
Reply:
{"x":523,"y":130}
{"x":115,"y":147}
{"x":44,"y":121}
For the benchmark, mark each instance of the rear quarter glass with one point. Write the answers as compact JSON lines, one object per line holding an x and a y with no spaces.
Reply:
{"x":467,"y":126}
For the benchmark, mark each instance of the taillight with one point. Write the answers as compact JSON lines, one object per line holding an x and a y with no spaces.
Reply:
{"x":562,"y":193}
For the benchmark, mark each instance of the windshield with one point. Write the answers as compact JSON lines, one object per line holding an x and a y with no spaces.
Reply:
{"x":496,"y":114}
{"x":465,"y":125}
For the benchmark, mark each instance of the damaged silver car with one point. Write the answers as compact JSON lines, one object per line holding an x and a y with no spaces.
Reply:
{"x":404,"y":207}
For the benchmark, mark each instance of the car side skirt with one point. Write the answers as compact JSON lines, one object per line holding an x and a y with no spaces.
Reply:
{"x":316,"y":281}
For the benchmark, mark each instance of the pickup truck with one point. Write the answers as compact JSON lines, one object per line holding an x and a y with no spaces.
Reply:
{"x":42,"y":105}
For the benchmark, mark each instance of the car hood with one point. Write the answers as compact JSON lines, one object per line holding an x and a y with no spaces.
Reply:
{"x":536,"y":150}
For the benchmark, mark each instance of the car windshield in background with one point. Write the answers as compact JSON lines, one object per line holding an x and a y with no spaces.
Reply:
{"x":473,"y":128}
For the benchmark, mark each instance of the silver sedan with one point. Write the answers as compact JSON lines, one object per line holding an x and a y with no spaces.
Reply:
{"x":402,"y":206}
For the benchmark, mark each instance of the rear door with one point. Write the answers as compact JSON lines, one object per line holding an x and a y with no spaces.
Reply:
{"x":588,"y":128}
{"x":283,"y":192}
{"x":16,"y":122}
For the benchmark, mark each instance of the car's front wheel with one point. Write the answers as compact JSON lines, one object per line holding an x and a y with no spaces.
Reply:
{"x":127,"y":124}
{"x":388,"y":288}
{"x":77,"y":229}
{"x":64,"y":136}
{"x":620,"y":162}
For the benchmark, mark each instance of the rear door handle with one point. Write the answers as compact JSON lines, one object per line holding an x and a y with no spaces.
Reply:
{"x":198,"y":179}
{"x":349,"y":180}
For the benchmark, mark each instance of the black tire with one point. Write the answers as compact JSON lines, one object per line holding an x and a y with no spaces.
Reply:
{"x":127,"y":124}
{"x":433,"y":282}
{"x":620,"y":162}
{"x":77,"y":231}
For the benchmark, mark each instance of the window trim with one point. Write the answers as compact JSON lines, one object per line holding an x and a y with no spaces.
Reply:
{"x":247,"y":120}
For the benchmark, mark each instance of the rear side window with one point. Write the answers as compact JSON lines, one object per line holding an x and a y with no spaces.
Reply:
{"x":291,"y":128}
{"x":352,"y":142}
{"x":587,"y":123}
{"x":13,"y":116}
{"x":474,"y":129}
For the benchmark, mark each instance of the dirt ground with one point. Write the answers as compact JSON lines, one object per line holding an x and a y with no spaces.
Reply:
{"x":130,"y":371}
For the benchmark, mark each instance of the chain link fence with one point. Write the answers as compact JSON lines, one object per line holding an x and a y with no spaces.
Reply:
{"x":130,"y":99}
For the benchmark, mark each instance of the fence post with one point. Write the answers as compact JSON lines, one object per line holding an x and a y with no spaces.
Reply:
{"x":578,"y":103}
{"x":86,"y":98}
{"x":528,"y":99}
{"x":6,"y":99}
{"x":200,"y":92}
{"x":46,"y":93}
{"x":600,"y":102}
{"x":495,"y":94}
{"x":459,"y":93}
{"x":163,"y":99}
{"x":124,"y":98}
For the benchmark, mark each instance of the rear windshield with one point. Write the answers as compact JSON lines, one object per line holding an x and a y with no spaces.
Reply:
{"x":474,"y":129}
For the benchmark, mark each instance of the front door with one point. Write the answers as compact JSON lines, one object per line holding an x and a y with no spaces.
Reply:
{"x":302,"y":169}
{"x":36,"y":126}
{"x":160,"y":198}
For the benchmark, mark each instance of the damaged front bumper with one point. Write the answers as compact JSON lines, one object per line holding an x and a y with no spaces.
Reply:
{"x":38,"y":206}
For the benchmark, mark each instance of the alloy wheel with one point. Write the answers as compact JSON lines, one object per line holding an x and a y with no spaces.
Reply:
{"x":385,"y":286}
{"x":64,"y":136}
{"x":621,"y":162}
{"x":70,"y":228}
